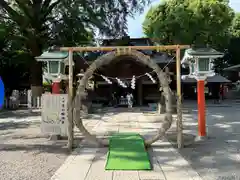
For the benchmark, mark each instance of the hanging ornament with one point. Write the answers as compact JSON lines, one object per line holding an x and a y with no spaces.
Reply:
{"x":151,"y":78}
{"x":133,"y":82}
{"x":121,"y":83}
{"x":106,"y":79}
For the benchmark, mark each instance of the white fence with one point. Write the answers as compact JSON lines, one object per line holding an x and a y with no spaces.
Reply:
{"x":22,"y":98}
{"x":33,"y":102}
{"x":13,"y":101}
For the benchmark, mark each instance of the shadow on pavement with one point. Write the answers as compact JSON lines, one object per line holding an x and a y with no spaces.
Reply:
{"x":22,"y":113}
{"x":217,"y":157}
{"x":16,"y":125}
{"x":58,"y":147}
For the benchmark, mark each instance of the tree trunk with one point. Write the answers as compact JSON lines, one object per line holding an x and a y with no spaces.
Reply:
{"x":36,"y":70}
{"x":36,"y":78}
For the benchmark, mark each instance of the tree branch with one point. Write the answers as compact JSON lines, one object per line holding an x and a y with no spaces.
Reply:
{"x":12,"y":13}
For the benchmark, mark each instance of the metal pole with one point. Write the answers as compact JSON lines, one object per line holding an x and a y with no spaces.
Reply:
{"x":179,"y":100}
{"x":70,"y":98}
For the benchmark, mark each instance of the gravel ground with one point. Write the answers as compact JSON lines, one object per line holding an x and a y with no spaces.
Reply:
{"x":25,"y":154}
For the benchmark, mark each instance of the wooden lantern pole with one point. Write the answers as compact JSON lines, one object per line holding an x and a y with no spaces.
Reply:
{"x":179,"y":99}
{"x":70,"y":98}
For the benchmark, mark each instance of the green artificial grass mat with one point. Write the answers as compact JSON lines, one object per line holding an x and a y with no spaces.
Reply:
{"x":127,"y":152}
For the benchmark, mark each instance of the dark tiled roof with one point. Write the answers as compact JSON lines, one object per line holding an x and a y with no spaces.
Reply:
{"x":157,"y":57}
{"x":217,"y":78}
{"x":233,"y":68}
{"x":202,"y":51}
{"x":128,"y":41}
{"x":53,"y":55}
{"x":162,"y":58}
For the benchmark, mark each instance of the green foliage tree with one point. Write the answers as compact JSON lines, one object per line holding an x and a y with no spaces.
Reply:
{"x":13,"y":60}
{"x":233,"y":55}
{"x":190,"y":22}
{"x":235,"y":28}
{"x":41,"y":23}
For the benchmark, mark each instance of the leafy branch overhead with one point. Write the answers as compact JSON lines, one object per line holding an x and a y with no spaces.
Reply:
{"x":72,"y":20}
{"x":39,"y":24}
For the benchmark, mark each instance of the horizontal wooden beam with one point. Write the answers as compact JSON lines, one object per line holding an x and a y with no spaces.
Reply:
{"x":112,"y":48}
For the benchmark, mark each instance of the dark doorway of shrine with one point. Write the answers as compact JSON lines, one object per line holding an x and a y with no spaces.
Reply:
{"x":121,"y":92}
{"x":124,"y":68}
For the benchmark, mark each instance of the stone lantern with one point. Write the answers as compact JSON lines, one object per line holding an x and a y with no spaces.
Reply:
{"x":200,"y":63}
{"x":54,"y":68}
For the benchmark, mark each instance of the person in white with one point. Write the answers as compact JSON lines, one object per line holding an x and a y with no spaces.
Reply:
{"x":130,"y":100}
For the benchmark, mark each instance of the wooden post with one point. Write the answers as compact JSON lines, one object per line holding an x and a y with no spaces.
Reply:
{"x":179,"y":100}
{"x":70,"y":98}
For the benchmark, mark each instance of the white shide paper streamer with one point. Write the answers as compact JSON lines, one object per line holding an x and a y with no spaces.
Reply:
{"x":151,"y":78}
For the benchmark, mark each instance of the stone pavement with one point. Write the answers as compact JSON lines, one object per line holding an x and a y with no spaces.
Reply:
{"x":26,"y":153}
{"x":88,"y":163}
{"x":209,"y":103}
{"x":218,"y":157}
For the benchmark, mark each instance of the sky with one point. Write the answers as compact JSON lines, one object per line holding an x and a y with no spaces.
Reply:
{"x":135,"y":25}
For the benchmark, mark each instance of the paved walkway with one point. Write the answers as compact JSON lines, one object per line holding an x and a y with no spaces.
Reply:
{"x":217,"y":158}
{"x":209,"y":103}
{"x":88,"y":163}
